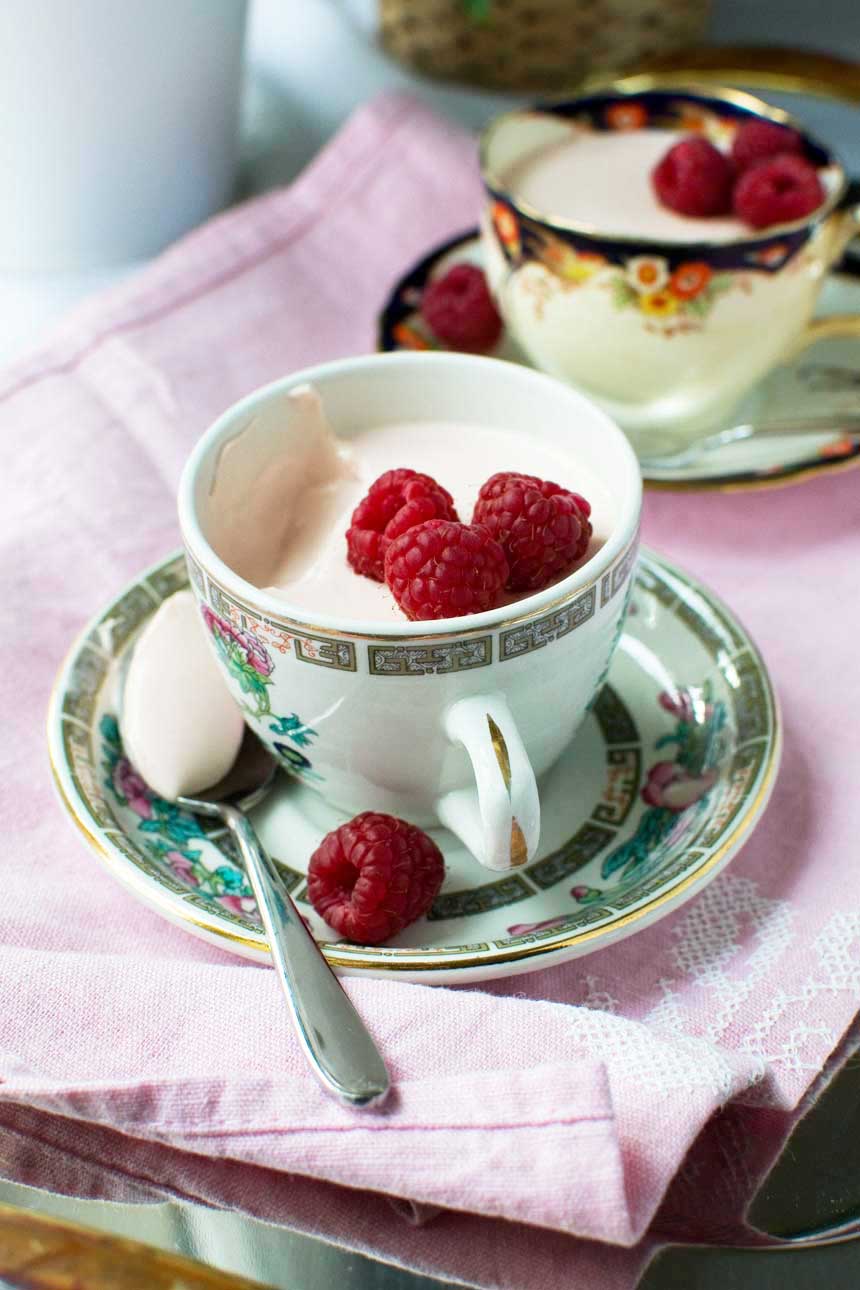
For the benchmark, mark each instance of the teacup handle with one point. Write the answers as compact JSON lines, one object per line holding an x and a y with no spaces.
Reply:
{"x":822,"y":329}
{"x":846,"y":228}
{"x":501,"y":825}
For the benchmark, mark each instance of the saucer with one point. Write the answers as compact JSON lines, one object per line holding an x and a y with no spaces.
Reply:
{"x":665,"y":779}
{"x":824,"y":378}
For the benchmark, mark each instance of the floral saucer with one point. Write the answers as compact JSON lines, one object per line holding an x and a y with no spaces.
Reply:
{"x":666,"y":778}
{"x":825,"y":378}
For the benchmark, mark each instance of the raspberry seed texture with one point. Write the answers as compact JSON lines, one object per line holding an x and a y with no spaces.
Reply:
{"x":374,"y":876}
{"x":394,"y":503}
{"x":544,"y":529}
{"x":442,"y":569}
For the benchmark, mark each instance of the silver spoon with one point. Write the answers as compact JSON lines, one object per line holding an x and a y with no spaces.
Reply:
{"x":335,"y":1040}
{"x":847,"y":423}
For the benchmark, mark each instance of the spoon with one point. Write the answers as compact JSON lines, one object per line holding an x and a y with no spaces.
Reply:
{"x":335,"y":1040}
{"x":836,"y":423}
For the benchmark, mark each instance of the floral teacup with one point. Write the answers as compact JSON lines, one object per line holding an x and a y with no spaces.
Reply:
{"x":660,"y":334}
{"x":450,"y":720}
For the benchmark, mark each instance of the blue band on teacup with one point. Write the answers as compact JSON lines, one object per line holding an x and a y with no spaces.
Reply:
{"x":522,"y":239}
{"x":664,"y":110}
{"x":525,"y":237}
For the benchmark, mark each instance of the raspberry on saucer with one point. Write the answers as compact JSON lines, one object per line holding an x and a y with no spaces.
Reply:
{"x":459,"y":310}
{"x":374,"y":876}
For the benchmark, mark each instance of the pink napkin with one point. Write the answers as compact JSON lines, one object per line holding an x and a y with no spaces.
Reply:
{"x":137,"y":1062}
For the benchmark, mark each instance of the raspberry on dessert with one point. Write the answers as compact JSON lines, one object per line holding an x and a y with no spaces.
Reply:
{"x":544,"y":529}
{"x":374,"y":876}
{"x":394,"y":503}
{"x":778,"y":190}
{"x":694,"y":178}
{"x":442,"y":569}
{"x":758,"y":139}
{"x":459,"y":310}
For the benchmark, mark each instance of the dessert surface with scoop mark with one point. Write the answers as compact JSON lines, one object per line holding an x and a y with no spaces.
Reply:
{"x":296,"y":548}
{"x":313,"y":573}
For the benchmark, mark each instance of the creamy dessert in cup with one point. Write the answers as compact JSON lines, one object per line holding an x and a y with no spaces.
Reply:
{"x":449,"y":720}
{"x":298,"y":553}
{"x":666,"y":319}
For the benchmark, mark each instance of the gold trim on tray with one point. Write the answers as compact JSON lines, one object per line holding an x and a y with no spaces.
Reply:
{"x":404,"y":960}
{"x":43,"y":1253}
{"x":789,"y":71}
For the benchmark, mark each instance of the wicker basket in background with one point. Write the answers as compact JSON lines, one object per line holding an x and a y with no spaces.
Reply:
{"x":535,"y":45}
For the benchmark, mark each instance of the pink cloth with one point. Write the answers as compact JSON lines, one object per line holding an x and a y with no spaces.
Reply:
{"x":138,"y":1062}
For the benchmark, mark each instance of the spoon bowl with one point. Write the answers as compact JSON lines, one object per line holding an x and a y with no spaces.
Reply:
{"x":247,"y":782}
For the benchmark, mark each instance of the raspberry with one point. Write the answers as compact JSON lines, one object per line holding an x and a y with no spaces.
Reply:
{"x":442,"y":570}
{"x":394,"y":503}
{"x":374,"y":876}
{"x":459,"y":310}
{"x":544,"y":530}
{"x":778,"y":190}
{"x":757,"y":139}
{"x":694,"y":178}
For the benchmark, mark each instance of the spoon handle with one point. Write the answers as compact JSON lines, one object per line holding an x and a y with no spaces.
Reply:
{"x":844,"y":423}
{"x":335,"y":1040}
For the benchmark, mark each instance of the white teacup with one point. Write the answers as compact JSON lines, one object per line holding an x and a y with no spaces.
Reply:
{"x":450,"y":720}
{"x":661,"y":334}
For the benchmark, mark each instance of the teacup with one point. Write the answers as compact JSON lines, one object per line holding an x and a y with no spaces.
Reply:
{"x":667,"y":335}
{"x":447,"y":721}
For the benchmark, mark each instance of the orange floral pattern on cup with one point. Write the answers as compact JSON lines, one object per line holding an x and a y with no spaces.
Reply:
{"x":690,"y":280}
{"x":662,"y":295}
{"x":626,"y":116}
{"x":505,"y":224}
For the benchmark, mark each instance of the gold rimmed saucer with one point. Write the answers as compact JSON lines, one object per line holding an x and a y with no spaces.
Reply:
{"x":661,"y":786}
{"x":825,"y":378}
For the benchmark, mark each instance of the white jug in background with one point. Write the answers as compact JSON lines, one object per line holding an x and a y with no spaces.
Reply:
{"x":118,"y":125}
